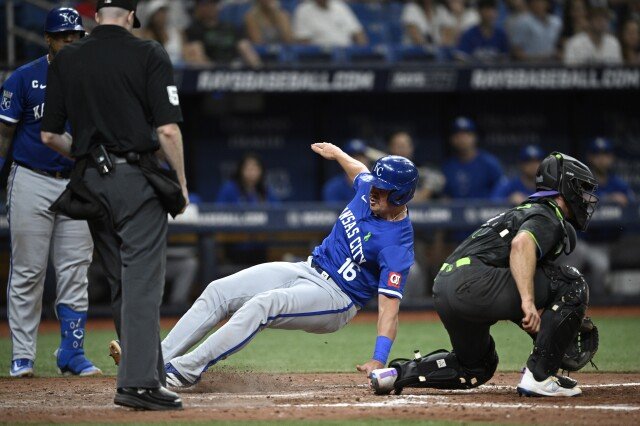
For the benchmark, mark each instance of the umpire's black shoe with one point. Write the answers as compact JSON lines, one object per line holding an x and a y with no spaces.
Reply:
{"x":148,"y":399}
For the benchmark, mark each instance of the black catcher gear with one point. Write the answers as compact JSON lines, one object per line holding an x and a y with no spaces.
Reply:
{"x":574,"y":181}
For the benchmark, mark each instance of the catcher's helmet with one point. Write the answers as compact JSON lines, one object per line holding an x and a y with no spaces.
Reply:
{"x":62,"y":19}
{"x":395,"y":174}
{"x":574,"y":181}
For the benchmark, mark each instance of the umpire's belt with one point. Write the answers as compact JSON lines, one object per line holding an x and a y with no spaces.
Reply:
{"x":324,"y":274}
{"x":448,"y":267}
{"x":57,"y":174}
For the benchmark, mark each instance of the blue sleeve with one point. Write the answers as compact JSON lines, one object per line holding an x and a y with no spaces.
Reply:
{"x":466,"y":42}
{"x":329,"y":194}
{"x":496,"y":174}
{"x":395,"y":262}
{"x":502,"y":191}
{"x":359,"y":181}
{"x":228,"y":193}
{"x":12,"y":102}
{"x":448,"y":171}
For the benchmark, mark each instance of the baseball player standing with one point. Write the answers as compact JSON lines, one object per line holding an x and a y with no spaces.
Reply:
{"x":38,"y":176}
{"x":368,"y":252}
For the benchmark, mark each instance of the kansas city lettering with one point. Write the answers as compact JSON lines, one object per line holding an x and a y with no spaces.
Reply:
{"x":348,"y":221}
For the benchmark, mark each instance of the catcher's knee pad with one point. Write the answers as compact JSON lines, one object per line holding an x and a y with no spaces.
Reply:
{"x":560,"y":321}
{"x":441,"y":369}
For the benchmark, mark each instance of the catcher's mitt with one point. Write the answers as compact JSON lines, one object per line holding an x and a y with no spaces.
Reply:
{"x":583,"y":348}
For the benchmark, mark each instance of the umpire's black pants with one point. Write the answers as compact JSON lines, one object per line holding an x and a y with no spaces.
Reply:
{"x":131,"y":244}
{"x":471,"y":298}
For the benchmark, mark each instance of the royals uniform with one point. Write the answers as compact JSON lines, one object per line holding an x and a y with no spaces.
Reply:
{"x":363,"y":255}
{"x":38,"y":176}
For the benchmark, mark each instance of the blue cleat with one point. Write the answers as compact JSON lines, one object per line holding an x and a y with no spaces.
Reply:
{"x":21,"y":367}
{"x":74,"y":363}
{"x":175,"y":379}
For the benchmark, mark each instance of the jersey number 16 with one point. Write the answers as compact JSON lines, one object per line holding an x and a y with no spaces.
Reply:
{"x":348,"y":269}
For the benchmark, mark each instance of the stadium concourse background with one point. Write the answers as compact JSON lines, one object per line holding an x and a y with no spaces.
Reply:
{"x":279,"y":110}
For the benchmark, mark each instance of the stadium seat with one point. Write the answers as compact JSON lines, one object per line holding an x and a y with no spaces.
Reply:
{"x":403,"y":53}
{"x":310,"y":54}
{"x":290,"y":5}
{"x":233,"y":13}
{"x":363,"y":54}
{"x":394,"y":22}
{"x":271,"y":53}
{"x":377,"y":32}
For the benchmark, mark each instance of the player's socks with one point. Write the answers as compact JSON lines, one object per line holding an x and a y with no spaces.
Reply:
{"x":70,"y":356}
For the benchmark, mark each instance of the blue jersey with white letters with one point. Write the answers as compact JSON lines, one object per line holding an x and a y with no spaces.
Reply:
{"x":22,"y":104}
{"x":365,"y":254}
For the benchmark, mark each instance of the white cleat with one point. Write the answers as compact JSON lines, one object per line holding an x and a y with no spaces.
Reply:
{"x":551,"y":386}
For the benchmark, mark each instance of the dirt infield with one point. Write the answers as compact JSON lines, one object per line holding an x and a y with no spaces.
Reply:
{"x":608,"y":399}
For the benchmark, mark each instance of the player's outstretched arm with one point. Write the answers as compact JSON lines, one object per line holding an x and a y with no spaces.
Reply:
{"x":388,"y":309}
{"x":329,"y":151}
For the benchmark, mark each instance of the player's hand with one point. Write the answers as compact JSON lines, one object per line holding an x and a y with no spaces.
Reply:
{"x":531,"y":320}
{"x":369,"y":366}
{"x":185,"y":194}
{"x":327,"y":150}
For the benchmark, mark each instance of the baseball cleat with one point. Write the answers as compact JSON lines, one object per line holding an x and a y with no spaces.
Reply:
{"x":76,"y":364}
{"x":148,"y":399}
{"x":21,"y":367}
{"x":551,"y":386}
{"x":115,"y":351}
{"x":175,"y":379}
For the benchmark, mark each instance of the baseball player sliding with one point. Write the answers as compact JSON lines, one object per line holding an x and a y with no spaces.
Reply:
{"x":38,"y":176}
{"x":369,"y":251}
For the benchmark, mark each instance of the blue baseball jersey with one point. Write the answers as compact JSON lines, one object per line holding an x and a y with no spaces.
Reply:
{"x":508,"y":187}
{"x":612,"y":185}
{"x":364,"y":254}
{"x":474,"y":43}
{"x":22,"y":104}
{"x":474,"y":179}
{"x":338,"y":189}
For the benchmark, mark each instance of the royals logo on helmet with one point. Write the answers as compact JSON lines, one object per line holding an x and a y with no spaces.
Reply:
{"x":394,"y":279}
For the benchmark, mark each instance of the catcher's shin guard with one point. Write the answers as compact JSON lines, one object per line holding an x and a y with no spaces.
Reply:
{"x":560,"y":321}
{"x":442,"y":370}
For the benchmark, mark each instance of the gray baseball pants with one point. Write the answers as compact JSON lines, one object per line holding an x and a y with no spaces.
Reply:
{"x":281,"y":295}
{"x":36,"y":235}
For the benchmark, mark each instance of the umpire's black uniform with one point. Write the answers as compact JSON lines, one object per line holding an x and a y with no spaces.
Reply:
{"x":115,"y":89}
{"x":474,"y":288}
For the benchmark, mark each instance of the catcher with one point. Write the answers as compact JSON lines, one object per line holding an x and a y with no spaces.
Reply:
{"x":505,"y":271}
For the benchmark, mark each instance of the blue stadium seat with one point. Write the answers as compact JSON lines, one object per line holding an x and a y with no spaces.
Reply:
{"x":394,"y":19}
{"x":368,"y":12}
{"x":233,"y":13}
{"x":290,"y":5}
{"x":363,"y":54}
{"x":377,"y":32}
{"x":310,"y":54}
{"x":403,"y":53}
{"x":272,"y":53}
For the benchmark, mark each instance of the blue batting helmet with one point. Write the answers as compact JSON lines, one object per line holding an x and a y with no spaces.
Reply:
{"x":395,"y":174}
{"x":63,"y":19}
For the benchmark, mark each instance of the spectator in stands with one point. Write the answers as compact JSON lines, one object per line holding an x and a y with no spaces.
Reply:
{"x":596,"y":45}
{"x":248,"y":184}
{"x":267,"y":23}
{"x":484,"y":42}
{"x":471,"y":173}
{"x":340,"y":188}
{"x":574,"y":19}
{"x":630,"y":41}
{"x":535,"y":35}
{"x":419,"y":19}
{"x":593,"y":254}
{"x":518,"y":189}
{"x":453,"y":19}
{"x":179,"y":16}
{"x":210,"y":42}
{"x":329,"y":23}
{"x":157,"y":28}
{"x":516,"y":9}
{"x":611,"y":188}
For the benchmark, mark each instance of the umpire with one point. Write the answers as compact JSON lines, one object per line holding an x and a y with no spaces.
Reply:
{"x":115,"y":89}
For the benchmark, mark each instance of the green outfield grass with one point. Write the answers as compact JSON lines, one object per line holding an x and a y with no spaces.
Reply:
{"x":292,"y":351}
